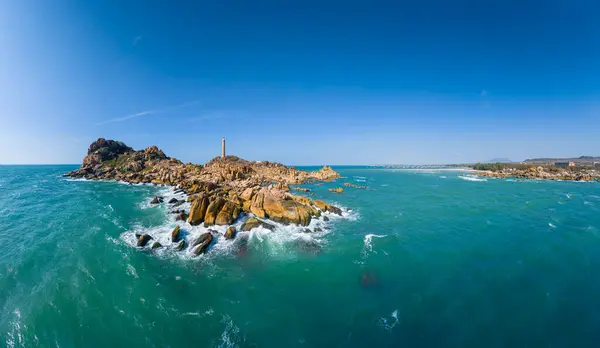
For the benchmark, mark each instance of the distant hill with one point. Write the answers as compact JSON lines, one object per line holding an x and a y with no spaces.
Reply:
{"x":499,"y":160}
{"x":579,"y":160}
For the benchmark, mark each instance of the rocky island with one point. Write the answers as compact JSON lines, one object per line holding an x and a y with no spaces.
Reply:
{"x":219,"y":191}
{"x":546,"y":172}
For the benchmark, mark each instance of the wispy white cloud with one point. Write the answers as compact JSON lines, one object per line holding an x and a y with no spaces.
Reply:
{"x":148,"y":112}
{"x":218,"y":114}
{"x":137,"y":39}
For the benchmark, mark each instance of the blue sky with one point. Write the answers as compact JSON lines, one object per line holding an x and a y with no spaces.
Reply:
{"x":301,"y":82}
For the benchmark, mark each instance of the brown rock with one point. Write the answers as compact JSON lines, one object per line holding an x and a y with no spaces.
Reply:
{"x":198,"y":210}
{"x":228,"y":214}
{"x":143,"y":240}
{"x":254,"y":223}
{"x":327,"y":207}
{"x":181,"y":216}
{"x":156,"y":245}
{"x":247,"y":194}
{"x":275,"y":205}
{"x":212,"y":211}
{"x":175,"y":234}
{"x":156,"y":200}
{"x":230,"y":233}
{"x":336,"y":190}
{"x":181,"y":245}
{"x":202,"y":243}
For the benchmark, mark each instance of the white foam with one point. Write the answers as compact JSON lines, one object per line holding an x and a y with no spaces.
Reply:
{"x":471,"y":178}
{"x":131,"y":271}
{"x":15,"y":337}
{"x":551,"y":225}
{"x":229,"y":334}
{"x":368,"y":242}
{"x":390,"y":321}
{"x":443,"y":177}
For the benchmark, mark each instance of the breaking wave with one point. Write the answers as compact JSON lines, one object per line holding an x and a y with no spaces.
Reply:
{"x":471,"y":178}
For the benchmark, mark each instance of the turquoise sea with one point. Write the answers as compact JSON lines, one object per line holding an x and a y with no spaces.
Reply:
{"x":422,"y":259}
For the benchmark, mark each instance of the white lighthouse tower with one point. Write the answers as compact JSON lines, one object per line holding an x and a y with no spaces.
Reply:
{"x":223,"y":148}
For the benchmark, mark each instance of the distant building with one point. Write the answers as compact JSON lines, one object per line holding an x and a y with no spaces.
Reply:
{"x":597,"y":164}
{"x":564,"y":164}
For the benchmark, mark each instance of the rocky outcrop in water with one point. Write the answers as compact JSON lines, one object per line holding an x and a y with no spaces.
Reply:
{"x":202,"y":243}
{"x":219,"y":191}
{"x":253,"y":222}
{"x":543,"y":172}
{"x":337,"y":190}
{"x":230,"y":233}
{"x":143,"y":240}
{"x":175,"y":234}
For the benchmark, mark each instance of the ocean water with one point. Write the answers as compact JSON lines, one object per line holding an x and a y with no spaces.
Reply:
{"x":421,"y":259}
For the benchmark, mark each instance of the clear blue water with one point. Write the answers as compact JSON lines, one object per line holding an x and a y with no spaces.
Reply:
{"x":425,"y":259}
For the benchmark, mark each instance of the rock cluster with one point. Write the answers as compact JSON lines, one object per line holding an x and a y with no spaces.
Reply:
{"x":543,"y":173}
{"x":349,"y":184}
{"x":219,"y":191}
{"x":337,"y":190}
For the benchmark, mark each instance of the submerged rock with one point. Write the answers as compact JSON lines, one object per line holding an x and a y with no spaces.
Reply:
{"x":202,"y":243}
{"x":143,"y":240}
{"x":230,"y":233}
{"x":181,"y":245}
{"x":368,"y":279}
{"x":325,"y":218}
{"x":173,"y":200}
{"x":156,"y":245}
{"x":254,"y":223}
{"x":175,"y":234}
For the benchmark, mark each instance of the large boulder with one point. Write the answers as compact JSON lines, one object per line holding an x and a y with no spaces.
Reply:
{"x":175,"y":234}
{"x":254,"y":223}
{"x":327,"y":207}
{"x":212,"y":211}
{"x":198,"y":210}
{"x":282,"y":207}
{"x":202,"y":243}
{"x":228,"y":214}
{"x":143,"y":240}
{"x":181,"y":245}
{"x":156,"y":245}
{"x":230,"y":233}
